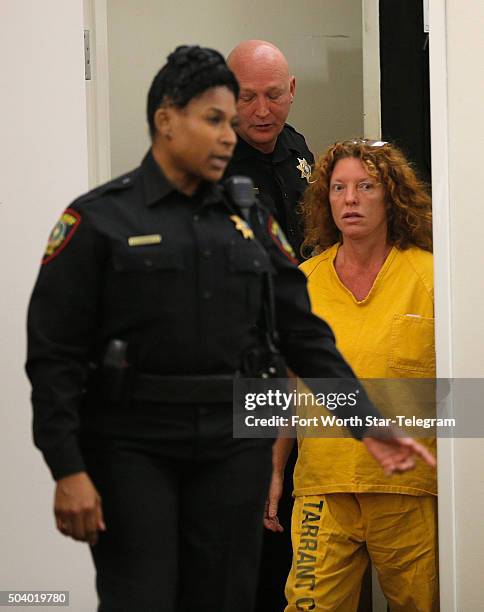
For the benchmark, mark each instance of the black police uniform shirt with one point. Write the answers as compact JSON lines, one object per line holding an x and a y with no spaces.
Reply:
{"x":280,"y":178}
{"x":178,"y":278}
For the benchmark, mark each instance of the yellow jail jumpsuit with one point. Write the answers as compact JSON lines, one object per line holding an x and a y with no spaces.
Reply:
{"x":345,"y":507}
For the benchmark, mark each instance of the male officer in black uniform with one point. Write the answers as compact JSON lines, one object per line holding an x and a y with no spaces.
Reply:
{"x":270,"y":151}
{"x":278,"y":161}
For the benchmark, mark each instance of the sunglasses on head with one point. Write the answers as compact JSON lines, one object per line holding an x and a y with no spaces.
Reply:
{"x":365,"y":141}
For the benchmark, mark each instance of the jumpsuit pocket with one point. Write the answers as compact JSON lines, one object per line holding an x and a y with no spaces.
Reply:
{"x":412,"y":347}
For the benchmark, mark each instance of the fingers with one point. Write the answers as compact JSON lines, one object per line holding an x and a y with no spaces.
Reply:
{"x":78,"y":508}
{"x":392,"y":456}
{"x":397,"y":454}
{"x":273,"y":524}
{"x":415,"y":448}
{"x":405,"y":465}
{"x":94,"y":522}
{"x":82,"y":526}
{"x":79,"y":526}
{"x":420,"y":450}
{"x":91,"y":527}
{"x":399,"y":461}
{"x":398,"y":466}
{"x":272,"y":506}
{"x":100,"y":524}
{"x":63,"y":526}
{"x":271,"y":520}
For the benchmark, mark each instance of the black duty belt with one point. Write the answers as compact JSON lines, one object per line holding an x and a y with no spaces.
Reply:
{"x":183,"y":389}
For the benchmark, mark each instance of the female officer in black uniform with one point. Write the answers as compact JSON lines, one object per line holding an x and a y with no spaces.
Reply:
{"x":144,"y":307}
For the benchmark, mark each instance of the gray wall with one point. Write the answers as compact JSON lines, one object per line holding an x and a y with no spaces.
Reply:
{"x":321,"y":38}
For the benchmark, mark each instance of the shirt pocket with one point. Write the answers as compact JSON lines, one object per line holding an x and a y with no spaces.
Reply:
{"x":412,"y":348}
{"x":247,"y":264}
{"x":146,"y":259}
{"x":148,"y":278}
{"x":248,"y":259}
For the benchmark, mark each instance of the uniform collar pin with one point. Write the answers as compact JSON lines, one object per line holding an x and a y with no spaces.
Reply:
{"x":242,"y":227}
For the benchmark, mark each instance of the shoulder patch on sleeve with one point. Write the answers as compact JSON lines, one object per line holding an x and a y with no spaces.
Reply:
{"x":61,"y":234}
{"x":280,"y":239}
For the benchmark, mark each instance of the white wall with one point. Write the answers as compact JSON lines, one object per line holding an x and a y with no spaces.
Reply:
{"x":321,"y":38}
{"x":43,"y":165}
{"x":457,"y":91}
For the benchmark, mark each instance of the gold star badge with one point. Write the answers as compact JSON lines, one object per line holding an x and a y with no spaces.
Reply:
{"x":242,"y":226}
{"x":304,"y":168}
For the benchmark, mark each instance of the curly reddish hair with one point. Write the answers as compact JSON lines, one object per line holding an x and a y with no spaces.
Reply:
{"x":408,"y":203}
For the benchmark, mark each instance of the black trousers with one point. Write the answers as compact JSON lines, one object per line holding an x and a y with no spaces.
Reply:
{"x":183,"y":504}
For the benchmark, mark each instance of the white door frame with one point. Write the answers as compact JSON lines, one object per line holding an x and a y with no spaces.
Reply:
{"x":97,"y":93}
{"x":371,"y":69}
{"x":443,"y":292}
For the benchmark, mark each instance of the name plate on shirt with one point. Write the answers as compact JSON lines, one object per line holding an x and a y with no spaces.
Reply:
{"x":144,"y":240}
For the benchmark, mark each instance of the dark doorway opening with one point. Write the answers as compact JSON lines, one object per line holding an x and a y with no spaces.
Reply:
{"x":405,"y":85}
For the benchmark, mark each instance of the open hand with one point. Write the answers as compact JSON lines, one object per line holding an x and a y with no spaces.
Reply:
{"x":396,"y":454}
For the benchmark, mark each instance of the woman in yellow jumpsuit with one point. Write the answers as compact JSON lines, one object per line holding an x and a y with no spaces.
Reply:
{"x":369,"y":219}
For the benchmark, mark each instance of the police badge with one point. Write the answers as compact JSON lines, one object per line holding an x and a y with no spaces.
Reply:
{"x":304,"y":168}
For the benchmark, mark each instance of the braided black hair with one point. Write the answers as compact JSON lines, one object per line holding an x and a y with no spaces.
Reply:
{"x":188,"y":72}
